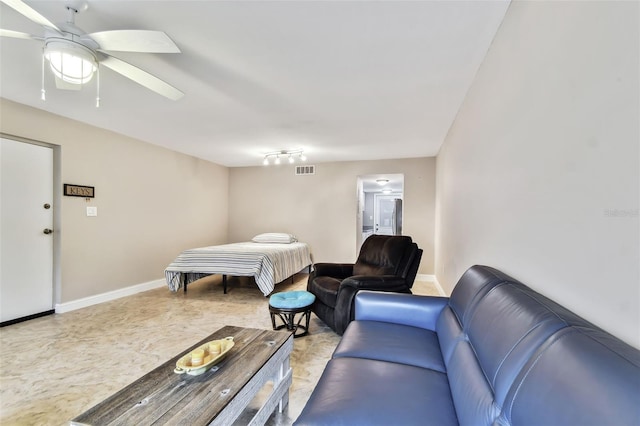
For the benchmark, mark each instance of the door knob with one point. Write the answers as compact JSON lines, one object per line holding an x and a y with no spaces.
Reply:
{"x":48,"y":231}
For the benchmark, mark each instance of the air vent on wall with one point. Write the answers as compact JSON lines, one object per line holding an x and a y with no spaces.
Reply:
{"x":305,"y":170}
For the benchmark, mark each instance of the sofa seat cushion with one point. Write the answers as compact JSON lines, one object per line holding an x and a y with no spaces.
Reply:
{"x":325,"y":289}
{"x":398,"y":343}
{"x":355,"y":391}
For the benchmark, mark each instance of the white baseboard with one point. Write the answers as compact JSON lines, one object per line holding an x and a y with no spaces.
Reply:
{"x":425,"y":277}
{"x":431,"y":279}
{"x":106,"y":297}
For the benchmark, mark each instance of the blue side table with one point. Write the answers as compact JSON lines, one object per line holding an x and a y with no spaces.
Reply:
{"x":286,"y":305}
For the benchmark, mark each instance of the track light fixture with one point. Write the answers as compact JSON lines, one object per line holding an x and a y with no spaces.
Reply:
{"x":290,"y":154}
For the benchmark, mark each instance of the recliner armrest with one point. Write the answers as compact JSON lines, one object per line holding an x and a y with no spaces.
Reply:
{"x":336,"y":270}
{"x":375,"y":282}
{"x":399,"y":308}
{"x":349,"y":287}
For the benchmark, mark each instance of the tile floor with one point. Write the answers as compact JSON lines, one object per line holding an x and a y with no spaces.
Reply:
{"x":56,"y":367}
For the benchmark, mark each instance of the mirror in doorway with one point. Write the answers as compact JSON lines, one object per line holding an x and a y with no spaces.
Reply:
{"x":380,"y":199}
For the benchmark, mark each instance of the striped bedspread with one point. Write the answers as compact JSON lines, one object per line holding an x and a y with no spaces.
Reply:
{"x":267,"y":263}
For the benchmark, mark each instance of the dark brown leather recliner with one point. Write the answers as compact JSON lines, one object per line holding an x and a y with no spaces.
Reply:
{"x":385,"y":263}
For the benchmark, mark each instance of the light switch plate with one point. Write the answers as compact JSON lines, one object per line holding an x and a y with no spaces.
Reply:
{"x":92,"y":211}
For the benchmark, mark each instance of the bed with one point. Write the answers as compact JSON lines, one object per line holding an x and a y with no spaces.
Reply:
{"x":268,"y":262}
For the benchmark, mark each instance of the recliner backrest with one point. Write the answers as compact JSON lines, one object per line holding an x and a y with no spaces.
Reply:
{"x":383,"y":255}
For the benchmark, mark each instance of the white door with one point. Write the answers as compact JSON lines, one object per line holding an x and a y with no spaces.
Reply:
{"x":384,"y":213}
{"x":26,"y":221}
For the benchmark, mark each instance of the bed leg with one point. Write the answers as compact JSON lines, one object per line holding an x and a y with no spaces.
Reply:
{"x":184,"y":280}
{"x":224,"y":283}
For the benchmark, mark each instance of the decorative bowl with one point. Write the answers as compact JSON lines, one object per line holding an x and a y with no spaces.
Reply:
{"x":184,"y":364}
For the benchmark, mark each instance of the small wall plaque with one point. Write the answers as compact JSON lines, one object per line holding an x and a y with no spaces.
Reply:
{"x":79,"y":191}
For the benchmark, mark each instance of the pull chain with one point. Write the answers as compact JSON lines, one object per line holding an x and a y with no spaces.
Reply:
{"x":98,"y":86}
{"x":43,"y":93}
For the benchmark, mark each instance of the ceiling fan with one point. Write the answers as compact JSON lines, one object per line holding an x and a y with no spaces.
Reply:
{"x":74,"y":56}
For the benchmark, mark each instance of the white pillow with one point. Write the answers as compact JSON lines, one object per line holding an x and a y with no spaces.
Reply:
{"x":274,"y":237}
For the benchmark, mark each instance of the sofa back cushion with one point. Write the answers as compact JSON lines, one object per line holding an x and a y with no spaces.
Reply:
{"x":492,"y":327}
{"x":581,"y":376}
{"x":382,"y":255}
{"x":471,"y":287}
{"x":473,"y":284}
{"x":497,"y":338}
{"x":507,"y":326}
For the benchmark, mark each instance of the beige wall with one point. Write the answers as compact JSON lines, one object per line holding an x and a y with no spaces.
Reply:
{"x":321,"y":209}
{"x":152,"y":203}
{"x":539,"y":175}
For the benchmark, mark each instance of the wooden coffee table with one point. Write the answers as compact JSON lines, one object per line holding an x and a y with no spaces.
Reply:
{"x":218,"y":396}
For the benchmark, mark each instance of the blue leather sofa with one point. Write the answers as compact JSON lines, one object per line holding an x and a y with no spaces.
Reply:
{"x":494,"y":353}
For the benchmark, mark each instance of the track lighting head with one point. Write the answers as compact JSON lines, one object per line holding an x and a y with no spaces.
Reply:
{"x":290,"y":154}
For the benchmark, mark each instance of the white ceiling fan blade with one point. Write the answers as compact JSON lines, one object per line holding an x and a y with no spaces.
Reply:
{"x":30,"y":13}
{"x":18,"y":34}
{"x":142,"y":77}
{"x":135,"y":41}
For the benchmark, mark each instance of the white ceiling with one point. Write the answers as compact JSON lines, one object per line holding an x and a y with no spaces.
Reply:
{"x":344,"y":80}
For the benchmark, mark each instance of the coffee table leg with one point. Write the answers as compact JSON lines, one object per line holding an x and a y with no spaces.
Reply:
{"x":284,"y":369}
{"x":278,"y":371}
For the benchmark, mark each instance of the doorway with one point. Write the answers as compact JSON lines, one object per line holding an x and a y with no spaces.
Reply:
{"x":380,"y":202}
{"x":387,"y":214}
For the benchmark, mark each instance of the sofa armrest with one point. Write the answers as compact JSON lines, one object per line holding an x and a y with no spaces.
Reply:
{"x":399,"y":308}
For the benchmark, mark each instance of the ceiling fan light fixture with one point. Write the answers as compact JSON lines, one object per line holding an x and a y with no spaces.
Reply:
{"x":70,"y":62}
{"x":72,"y":53}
